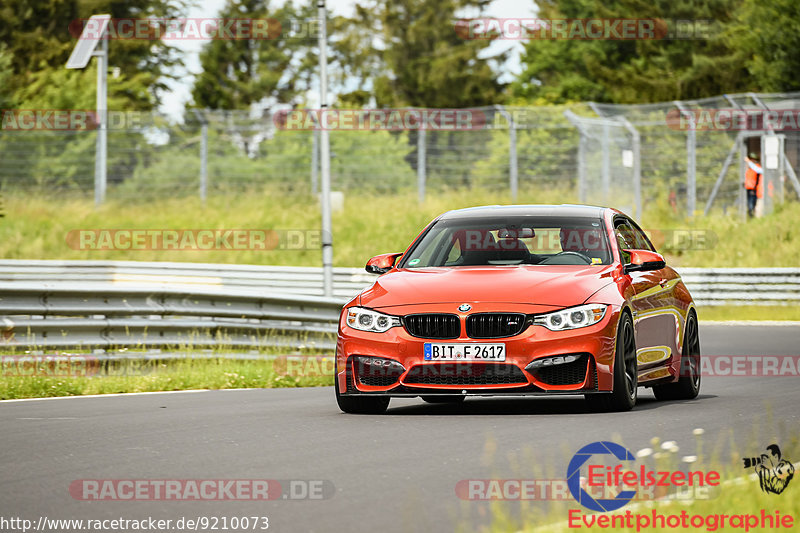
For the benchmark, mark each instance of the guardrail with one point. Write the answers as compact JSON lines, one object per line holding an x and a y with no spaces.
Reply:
{"x":108,"y":305}
{"x":111,"y":305}
{"x":295,"y":280}
{"x":96,"y":315}
{"x":743,"y":286}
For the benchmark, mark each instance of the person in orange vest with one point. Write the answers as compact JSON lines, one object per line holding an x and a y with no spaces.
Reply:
{"x":753,"y":182}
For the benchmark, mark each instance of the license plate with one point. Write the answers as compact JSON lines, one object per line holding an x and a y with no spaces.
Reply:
{"x":435,"y":351}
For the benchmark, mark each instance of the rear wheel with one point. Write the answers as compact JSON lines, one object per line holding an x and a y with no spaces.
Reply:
{"x":688,"y":385}
{"x":449,"y":398}
{"x":360,"y":405}
{"x":626,"y":383}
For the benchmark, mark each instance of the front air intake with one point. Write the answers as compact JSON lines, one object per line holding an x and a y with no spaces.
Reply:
{"x":433,"y":326}
{"x":495,"y":325}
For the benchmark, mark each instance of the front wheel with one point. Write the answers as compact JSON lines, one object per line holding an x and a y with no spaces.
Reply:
{"x":626,"y":382}
{"x":688,"y":385}
{"x":359,"y":405}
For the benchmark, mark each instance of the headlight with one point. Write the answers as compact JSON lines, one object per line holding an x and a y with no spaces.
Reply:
{"x":572,"y":318}
{"x":369,"y":320}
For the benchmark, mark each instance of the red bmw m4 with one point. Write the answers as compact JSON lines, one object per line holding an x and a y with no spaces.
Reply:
{"x":520,"y":300}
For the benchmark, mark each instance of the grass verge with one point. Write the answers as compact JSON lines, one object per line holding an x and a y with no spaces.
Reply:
{"x":37,"y":227}
{"x":20,"y":380}
{"x":749,"y":312}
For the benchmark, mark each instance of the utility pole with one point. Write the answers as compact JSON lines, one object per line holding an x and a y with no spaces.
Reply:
{"x":94,"y":33}
{"x":325,"y":156}
{"x":101,"y":167}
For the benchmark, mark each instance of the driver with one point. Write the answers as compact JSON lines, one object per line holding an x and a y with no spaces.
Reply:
{"x":584,"y":241}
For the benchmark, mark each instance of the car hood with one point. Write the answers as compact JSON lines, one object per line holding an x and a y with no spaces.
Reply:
{"x":553,"y":285}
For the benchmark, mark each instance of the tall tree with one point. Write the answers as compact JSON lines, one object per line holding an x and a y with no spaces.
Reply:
{"x":6,"y":94}
{"x":684,"y":66}
{"x":407,"y":53}
{"x":237,"y":73}
{"x":765,"y":39}
{"x":39,"y":36}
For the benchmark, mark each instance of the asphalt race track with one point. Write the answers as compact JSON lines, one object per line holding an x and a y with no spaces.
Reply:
{"x":395,"y":472}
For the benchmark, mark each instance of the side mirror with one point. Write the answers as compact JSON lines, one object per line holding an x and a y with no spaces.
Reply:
{"x":644,"y":261}
{"x":381,"y":264}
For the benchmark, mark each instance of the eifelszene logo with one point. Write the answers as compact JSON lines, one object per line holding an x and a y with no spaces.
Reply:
{"x":774,"y":472}
{"x":619,"y":485}
{"x":574,"y":476}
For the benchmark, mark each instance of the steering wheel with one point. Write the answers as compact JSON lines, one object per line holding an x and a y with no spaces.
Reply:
{"x":553,"y":260}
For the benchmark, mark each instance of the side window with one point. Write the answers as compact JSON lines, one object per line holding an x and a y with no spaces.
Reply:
{"x":434,"y":251}
{"x":642,"y":242}
{"x":625,"y":239}
{"x":455,"y":253}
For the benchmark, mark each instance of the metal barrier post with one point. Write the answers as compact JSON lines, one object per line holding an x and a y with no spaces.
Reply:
{"x":421,"y":164}
{"x":204,"y":161}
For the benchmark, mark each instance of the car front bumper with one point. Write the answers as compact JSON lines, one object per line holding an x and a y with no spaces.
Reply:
{"x":367,"y":363}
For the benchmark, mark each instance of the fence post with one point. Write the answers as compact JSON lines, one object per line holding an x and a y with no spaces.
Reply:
{"x":203,"y":161}
{"x":772,"y":148}
{"x":576,"y":121}
{"x":512,"y":158}
{"x":637,"y":166}
{"x":606,"y":163}
{"x":691,"y":169}
{"x":421,"y":163}
{"x":513,"y":168}
{"x":637,"y":171}
{"x":314,"y":160}
{"x":691,"y":160}
{"x":728,"y":160}
{"x":582,"y":167}
{"x":791,"y":174}
{"x":742,"y":194}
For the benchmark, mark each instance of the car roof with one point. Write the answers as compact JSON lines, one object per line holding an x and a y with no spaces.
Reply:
{"x":563,"y":210}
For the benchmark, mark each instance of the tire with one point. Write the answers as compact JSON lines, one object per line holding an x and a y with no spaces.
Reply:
{"x":449,"y":398}
{"x":625,"y":390}
{"x":360,"y":405}
{"x":688,"y":385}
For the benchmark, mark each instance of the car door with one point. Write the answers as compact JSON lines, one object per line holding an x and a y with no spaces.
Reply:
{"x":668,"y":311}
{"x":647,"y":302}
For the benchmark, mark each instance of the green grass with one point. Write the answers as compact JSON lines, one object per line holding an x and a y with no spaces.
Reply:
{"x":132,"y":376}
{"x":749,"y":312}
{"x":36,"y":228}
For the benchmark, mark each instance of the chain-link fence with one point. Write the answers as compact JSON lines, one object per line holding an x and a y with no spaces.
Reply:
{"x":686,"y":155}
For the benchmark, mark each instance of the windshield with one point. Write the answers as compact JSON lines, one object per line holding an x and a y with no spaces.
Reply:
{"x":521,"y":240}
